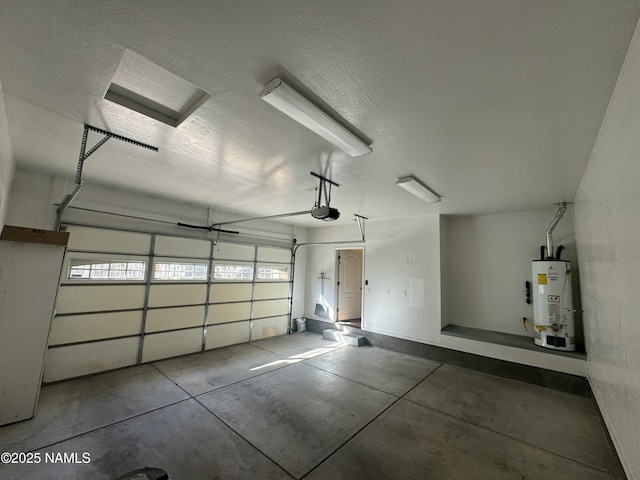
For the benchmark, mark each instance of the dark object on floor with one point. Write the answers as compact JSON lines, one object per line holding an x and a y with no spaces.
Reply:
{"x":146,"y":473}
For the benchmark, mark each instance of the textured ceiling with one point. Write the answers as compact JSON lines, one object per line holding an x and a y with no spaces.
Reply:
{"x":494,"y":104}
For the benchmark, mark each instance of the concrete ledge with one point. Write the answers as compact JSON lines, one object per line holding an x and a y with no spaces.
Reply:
{"x":318,"y":326}
{"x":344,"y":337}
{"x":563,"y":382}
{"x":510,"y":340}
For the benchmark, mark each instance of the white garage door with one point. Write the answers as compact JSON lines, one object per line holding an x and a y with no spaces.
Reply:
{"x":127,"y":298}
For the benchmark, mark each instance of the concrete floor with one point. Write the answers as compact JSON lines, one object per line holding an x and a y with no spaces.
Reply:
{"x":300,"y":406}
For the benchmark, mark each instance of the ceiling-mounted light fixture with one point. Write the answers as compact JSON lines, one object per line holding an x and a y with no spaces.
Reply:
{"x":283,"y":97}
{"x":415,"y":187}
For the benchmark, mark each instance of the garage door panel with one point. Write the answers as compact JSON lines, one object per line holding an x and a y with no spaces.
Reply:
{"x":270,"y":308}
{"x":169,"y":295}
{"x":107,"y":240}
{"x":228,"y":334}
{"x":183,"y":247}
{"x":229,"y":312}
{"x":230,"y":292}
{"x":172,"y":318}
{"x":232,"y":251}
{"x":99,"y":298}
{"x":171,"y":344}
{"x":271,"y":254}
{"x":269,"y":327}
{"x":266,"y":291}
{"x":81,"y":328}
{"x":86,"y":358}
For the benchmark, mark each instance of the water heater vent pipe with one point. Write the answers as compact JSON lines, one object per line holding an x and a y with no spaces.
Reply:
{"x":562,"y":207}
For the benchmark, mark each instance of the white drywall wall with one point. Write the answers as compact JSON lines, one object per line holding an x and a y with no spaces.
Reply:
{"x":321,"y":259}
{"x":396,"y":252}
{"x":6,"y":162}
{"x":33,"y":195}
{"x":31,"y":200}
{"x":486,"y":261}
{"x":608,"y":239}
{"x":399,"y":256}
{"x":32,"y":204}
{"x":28,"y":281}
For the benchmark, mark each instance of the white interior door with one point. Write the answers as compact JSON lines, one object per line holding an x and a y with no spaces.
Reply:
{"x":349,"y":285}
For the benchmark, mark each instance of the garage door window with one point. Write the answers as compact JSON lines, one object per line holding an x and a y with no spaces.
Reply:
{"x":229,"y":271}
{"x":115,"y":270}
{"x":180,"y":271}
{"x":273,"y":272}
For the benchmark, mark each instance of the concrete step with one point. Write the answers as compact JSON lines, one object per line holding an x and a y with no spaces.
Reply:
{"x":343,"y":337}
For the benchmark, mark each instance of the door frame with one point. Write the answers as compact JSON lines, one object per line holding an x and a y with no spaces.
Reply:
{"x":337,"y":280}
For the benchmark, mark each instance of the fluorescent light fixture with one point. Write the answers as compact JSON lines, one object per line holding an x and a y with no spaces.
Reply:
{"x":415,"y":187}
{"x":283,"y":97}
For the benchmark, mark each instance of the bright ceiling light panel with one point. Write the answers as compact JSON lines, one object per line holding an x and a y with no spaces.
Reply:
{"x":415,"y":187}
{"x":283,"y":97}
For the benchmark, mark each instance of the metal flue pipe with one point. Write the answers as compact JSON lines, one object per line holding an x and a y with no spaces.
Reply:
{"x":562,"y":207}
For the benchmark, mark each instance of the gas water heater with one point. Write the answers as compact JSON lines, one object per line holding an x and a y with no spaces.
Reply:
{"x":552,"y":296}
